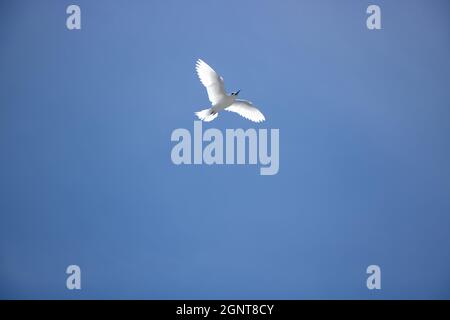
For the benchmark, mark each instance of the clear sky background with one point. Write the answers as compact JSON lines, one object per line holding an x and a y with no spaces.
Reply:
{"x":86,"y":176}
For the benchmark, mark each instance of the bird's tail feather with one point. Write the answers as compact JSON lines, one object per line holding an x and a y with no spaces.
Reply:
{"x":206,"y":115}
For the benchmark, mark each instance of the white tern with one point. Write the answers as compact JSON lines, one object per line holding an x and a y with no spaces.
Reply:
{"x":220,"y":100}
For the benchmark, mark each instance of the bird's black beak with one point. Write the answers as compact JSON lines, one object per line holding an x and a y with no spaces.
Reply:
{"x":237,"y":92}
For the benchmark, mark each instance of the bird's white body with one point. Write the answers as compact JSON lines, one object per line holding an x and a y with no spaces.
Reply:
{"x":220,"y":100}
{"x":224,"y":103}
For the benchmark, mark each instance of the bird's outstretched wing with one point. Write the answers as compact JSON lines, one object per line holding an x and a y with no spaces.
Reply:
{"x":247,"y":110}
{"x":211,"y":80}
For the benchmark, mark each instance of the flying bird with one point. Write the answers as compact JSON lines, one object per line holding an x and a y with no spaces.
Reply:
{"x":220,"y":100}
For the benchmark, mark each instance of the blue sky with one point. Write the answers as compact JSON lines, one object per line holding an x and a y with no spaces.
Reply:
{"x":86,"y":175}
